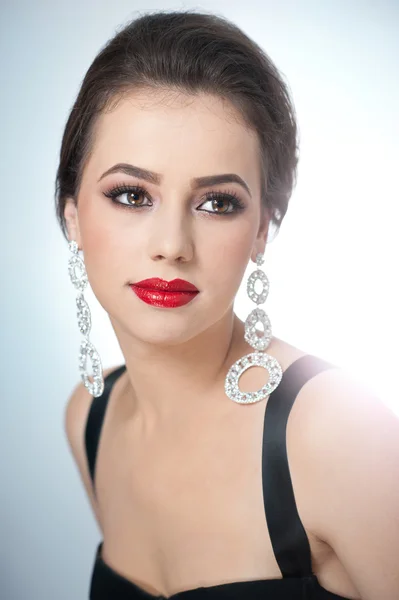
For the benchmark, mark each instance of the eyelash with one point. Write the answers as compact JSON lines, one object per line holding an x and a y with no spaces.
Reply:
{"x":231,"y":196}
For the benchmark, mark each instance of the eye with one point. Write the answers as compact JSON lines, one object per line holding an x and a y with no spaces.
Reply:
{"x":134,"y":194}
{"x":219,"y":200}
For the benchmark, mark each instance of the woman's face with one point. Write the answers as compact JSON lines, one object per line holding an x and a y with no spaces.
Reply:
{"x":173,"y":228}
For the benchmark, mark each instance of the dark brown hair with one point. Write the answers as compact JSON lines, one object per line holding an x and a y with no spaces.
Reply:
{"x":190,"y":52}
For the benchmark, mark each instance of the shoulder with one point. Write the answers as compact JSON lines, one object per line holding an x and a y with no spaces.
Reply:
{"x":75,"y":418}
{"x":77,"y":409}
{"x":340,"y":411}
{"x":349,"y":448}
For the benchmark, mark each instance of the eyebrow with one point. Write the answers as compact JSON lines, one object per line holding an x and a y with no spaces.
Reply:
{"x":156,"y":178}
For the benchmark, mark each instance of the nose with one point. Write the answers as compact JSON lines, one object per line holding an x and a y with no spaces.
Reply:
{"x":170,"y":236}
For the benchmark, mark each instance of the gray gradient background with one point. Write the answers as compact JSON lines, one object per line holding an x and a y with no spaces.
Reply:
{"x":333,"y":267}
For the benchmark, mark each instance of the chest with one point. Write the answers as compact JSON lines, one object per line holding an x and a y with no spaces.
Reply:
{"x":188,"y":506}
{"x":187,"y":509}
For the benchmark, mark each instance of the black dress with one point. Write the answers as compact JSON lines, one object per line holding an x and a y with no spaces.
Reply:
{"x":289,"y":540}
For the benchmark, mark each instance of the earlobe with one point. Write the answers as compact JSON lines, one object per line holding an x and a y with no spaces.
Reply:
{"x":261,"y":239}
{"x":72,"y":221}
{"x":264,"y":225}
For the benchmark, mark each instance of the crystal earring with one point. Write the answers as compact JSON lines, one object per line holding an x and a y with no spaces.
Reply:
{"x":84,"y":322}
{"x":258,"y":359}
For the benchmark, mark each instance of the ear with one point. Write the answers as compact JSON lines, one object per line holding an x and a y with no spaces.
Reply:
{"x":261,"y":238}
{"x":72,"y":221}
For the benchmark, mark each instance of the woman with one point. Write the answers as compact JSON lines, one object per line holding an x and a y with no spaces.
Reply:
{"x":178,"y":156}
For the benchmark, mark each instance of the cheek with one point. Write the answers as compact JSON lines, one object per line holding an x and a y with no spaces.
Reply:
{"x":227,"y":258}
{"x":102,"y":246}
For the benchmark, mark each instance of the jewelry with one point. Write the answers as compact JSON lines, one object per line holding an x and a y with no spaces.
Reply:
{"x":258,"y":359}
{"x":84,"y":322}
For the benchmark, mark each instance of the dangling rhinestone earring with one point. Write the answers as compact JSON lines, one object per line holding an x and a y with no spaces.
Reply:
{"x":84,"y":322}
{"x":258,"y":359}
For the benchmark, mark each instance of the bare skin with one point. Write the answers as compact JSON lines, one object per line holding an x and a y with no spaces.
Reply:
{"x":182,"y":506}
{"x":178,"y":480}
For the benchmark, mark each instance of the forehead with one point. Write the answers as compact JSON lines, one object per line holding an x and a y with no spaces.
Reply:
{"x":167,"y":130}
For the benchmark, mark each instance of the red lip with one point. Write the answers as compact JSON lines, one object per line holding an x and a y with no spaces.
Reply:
{"x":164,"y":294}
{"x":177,"y":285}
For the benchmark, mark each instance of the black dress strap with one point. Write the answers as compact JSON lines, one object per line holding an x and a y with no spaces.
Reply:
{"x":289,"y":540}
{"x":95,"y":419}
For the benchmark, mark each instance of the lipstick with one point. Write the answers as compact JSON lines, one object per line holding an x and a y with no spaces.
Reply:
{"x":165,"y":294}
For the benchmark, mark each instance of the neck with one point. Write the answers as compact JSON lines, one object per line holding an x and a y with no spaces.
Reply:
{"x":163,"y":380}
